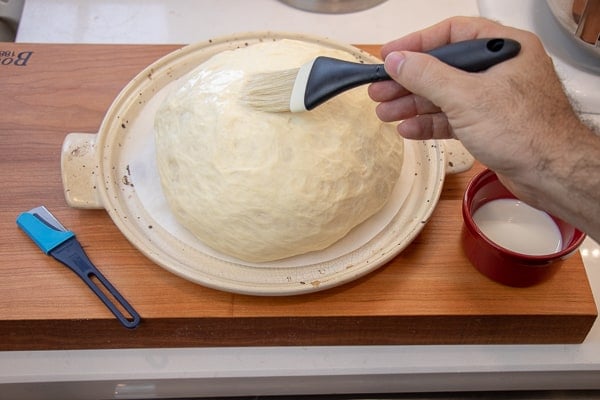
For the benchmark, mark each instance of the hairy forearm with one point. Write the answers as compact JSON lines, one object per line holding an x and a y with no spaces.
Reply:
{"x":568,"y":185}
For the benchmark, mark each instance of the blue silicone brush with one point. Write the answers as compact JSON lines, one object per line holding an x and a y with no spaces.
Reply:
{"x":312,"y":84}
{"x":56,"y":241}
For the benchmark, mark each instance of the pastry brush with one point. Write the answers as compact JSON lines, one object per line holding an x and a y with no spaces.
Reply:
{"x":319,"y":80}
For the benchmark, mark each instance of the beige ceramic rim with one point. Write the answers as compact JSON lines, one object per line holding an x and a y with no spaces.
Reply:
{"x":96,"y":174}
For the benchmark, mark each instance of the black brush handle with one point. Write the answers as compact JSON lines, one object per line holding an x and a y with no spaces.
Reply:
{"x":330,"y":77}
{"x":478,"y":54}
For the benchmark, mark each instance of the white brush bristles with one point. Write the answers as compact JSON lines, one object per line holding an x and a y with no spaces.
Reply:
{"x":278,"y":91}
{"x":270,"y":91}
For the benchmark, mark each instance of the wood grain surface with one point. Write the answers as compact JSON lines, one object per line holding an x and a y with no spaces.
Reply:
{"x":429,"y":294}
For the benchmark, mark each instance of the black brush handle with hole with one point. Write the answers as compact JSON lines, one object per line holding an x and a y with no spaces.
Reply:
{"x":329,"y":76}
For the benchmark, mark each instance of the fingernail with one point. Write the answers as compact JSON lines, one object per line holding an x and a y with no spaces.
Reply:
{"x":393,"y":62}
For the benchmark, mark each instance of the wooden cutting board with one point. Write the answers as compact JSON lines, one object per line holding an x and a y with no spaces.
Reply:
{"x":429,"y":294}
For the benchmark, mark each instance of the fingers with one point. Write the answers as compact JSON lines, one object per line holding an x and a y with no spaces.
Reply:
{"x":425,"y":127}
{"x":386,"y":91}
{"x":421,"y":119}
{"x":433,"y":85}
{"x":405,"y":107}
{"x":429,"y":78}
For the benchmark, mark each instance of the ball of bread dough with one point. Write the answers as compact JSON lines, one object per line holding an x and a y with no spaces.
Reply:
{"x":263,"y":186}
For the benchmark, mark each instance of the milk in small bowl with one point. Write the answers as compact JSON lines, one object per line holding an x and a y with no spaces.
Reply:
{"x":518,"y":227}
{"x":508,"y":240}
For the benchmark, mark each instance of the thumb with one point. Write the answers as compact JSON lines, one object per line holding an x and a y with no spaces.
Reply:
{"x":426,"y":76}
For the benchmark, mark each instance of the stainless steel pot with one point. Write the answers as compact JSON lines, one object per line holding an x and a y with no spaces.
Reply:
{"x":332,"y":6}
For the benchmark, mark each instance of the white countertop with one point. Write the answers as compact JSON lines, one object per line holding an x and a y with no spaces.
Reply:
{"x":284,"y":370}
{"x":188,"y":21}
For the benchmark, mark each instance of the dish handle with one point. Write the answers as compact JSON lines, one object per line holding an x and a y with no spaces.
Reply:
{"x":79,"y":171}
{"x":458,"y":158}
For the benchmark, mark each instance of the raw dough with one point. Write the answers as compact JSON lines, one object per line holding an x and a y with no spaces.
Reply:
{"x":264,"y":186}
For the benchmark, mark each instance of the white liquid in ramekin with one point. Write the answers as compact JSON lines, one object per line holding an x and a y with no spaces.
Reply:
{"x":516,"y":226}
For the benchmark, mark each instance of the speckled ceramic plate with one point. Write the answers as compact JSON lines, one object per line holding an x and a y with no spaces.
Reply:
{"x":115,"y":169}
